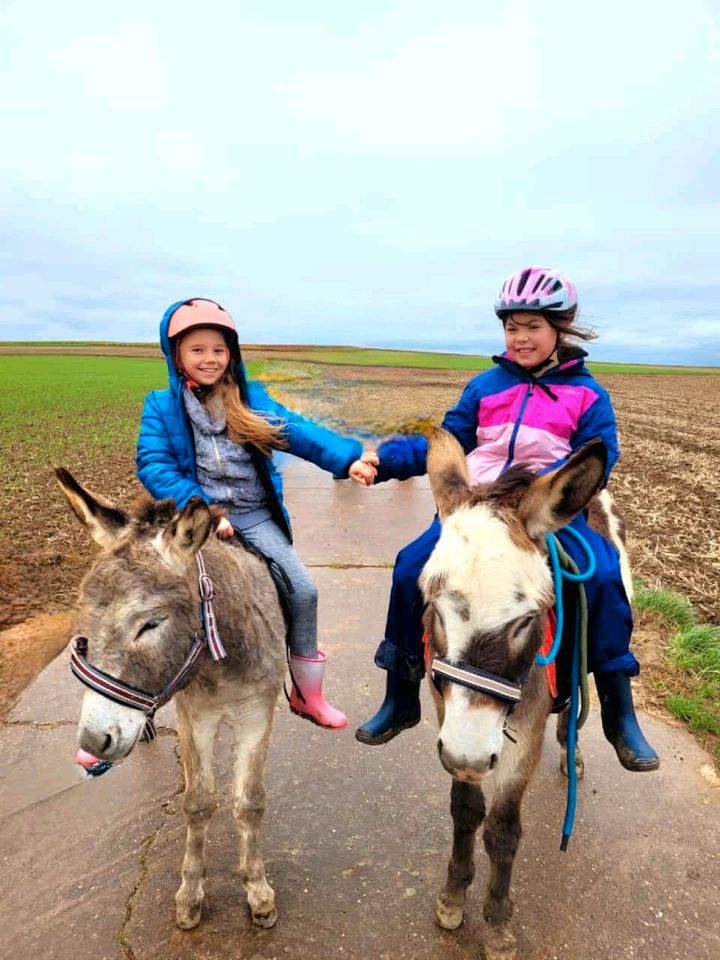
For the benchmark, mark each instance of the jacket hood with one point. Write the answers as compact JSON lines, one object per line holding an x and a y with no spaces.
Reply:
{"x":174,"y":377}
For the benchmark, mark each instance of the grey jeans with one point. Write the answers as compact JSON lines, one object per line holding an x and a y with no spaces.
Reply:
{"x":269,"y":538}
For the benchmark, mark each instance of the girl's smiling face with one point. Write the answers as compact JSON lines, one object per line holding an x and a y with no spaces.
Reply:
{"x":529,"y":338}
{"x":204,"y":355}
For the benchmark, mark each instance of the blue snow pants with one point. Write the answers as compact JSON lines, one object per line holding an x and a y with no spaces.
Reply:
{"x":609,"y":615}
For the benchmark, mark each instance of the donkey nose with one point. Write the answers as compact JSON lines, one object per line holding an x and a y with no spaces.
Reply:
{"x":98,"y":742}
{"x":459,"y":764}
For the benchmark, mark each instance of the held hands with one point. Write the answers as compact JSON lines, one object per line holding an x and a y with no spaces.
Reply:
{"x":364,"y":471}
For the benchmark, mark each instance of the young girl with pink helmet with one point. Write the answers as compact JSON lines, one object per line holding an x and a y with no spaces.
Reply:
{"x":537,"y":406}
{"x":212,"y":434}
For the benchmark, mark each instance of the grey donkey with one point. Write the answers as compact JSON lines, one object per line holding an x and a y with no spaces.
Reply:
{"x":139,"y":610}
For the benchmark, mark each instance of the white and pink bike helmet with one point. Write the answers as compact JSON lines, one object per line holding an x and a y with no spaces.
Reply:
{"x":536,"y":289}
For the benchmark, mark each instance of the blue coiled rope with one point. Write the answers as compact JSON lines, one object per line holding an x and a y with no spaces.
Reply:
{"x":563,"y":568}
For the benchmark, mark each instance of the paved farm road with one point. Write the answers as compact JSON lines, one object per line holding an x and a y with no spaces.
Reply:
{"x":356,"y":838}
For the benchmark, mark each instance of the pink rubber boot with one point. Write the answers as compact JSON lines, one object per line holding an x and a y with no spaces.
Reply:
{"x":308,"y":675}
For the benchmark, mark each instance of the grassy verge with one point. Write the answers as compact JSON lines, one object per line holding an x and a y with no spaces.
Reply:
{"x":692,"y":692}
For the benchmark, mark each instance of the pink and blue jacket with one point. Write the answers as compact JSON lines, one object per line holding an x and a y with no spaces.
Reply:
{"x":507,"y":416}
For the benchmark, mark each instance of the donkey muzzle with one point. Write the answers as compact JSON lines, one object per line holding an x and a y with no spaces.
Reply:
{"x":106,"y":729}
{"x":462,"y":767}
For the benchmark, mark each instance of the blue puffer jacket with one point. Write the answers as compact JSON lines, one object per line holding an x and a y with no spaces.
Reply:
{"x":166,"y":453}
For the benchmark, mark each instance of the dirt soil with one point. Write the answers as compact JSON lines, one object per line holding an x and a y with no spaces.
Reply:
{"x":666,"y":482}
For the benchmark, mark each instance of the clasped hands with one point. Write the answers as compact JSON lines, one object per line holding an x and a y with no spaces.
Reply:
{"x":364,"y":470}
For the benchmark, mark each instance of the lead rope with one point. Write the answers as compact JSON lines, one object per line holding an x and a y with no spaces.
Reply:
{"x":564,"y":568}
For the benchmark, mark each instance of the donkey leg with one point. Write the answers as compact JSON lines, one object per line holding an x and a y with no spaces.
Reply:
{"x":561,"y":734}
{"x":501,"y":837}
{"x":196,"y":736}
{"x":467,"y":807}
{"x":252,"y":736}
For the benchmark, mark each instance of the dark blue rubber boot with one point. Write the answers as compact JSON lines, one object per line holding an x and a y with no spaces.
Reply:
{"x":400,"y":710}
{"x":620,"y":724}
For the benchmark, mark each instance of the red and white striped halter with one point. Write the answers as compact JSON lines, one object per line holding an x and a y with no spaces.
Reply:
{"x":148,"y":703}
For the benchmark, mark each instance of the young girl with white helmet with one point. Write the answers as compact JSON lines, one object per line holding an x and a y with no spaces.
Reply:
{"x":212,"y":435}
{"x":537,"y":406}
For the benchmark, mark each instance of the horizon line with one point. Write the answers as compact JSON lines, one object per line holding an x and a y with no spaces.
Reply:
{"x":334,"y":346}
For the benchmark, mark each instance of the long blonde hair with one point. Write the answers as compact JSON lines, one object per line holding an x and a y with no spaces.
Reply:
{"x":243,"y":424}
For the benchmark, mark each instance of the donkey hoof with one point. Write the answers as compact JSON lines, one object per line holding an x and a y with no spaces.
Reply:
{"x":261,"y":901}
{"x":265,"y":920}
{"x":449,"y":915}
{"x":187,"y":917}
{"x":500,"y":944}
{"x":579,"y":764}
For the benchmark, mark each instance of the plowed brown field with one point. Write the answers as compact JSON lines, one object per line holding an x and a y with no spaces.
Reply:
{"x":667,"y":482}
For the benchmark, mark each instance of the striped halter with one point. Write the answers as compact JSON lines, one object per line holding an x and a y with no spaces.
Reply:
{"x":148,"y":703}
{"x":468,"y":676}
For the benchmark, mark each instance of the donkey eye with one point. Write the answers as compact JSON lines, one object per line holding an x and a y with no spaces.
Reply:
{"x":523,"y":625}
{"x":150,"y":625}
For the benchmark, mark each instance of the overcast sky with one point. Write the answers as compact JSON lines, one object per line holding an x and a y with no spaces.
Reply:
{"x":363,"y":173}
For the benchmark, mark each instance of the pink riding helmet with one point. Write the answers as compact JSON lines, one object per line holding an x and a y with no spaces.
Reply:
{"x":536,"y":289}
{"x":199,"y":313}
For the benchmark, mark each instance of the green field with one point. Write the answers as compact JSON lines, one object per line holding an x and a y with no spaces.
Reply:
{"x":74,"y":343}
{"x":366,"y":356}
{"x":54,"y":406}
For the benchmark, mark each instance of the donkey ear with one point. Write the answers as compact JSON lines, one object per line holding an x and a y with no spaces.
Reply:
{"x":187,"y":531}
{"x":104,"y":521}
{"x":448,"y":472}
{"x":553,"y":500}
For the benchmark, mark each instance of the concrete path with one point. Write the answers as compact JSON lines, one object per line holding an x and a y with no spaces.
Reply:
{"x":357,"y":838}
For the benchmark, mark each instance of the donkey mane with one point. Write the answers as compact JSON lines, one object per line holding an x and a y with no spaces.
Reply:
{"x":152,"y":513}
{"x":511,"y":484}
{"x":506,"y":491}
{"x":147,"y":512}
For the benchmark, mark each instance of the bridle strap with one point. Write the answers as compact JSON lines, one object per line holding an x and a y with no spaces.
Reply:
{"x":207,"y":612}
{"x":475,"y":679}
{"x":123,"y":693}
{"x":148,"y":703}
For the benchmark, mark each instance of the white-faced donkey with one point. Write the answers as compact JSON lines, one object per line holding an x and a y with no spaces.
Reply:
{"x":140,"y":639}
{"x":488,"y":590}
